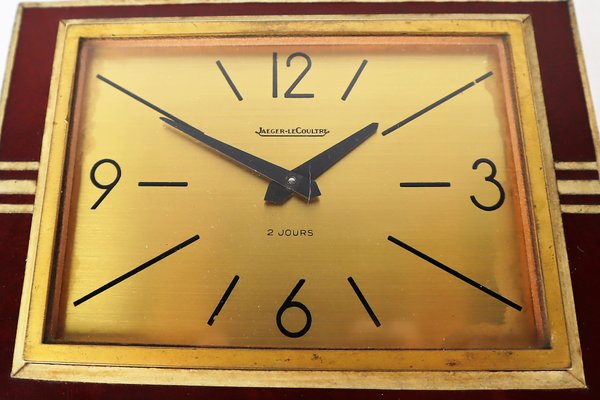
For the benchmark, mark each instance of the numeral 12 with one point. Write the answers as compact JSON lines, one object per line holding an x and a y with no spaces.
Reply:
{"x":289,"y":93}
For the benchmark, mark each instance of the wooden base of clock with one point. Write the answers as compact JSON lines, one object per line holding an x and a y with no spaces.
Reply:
{"x":574,"y":141}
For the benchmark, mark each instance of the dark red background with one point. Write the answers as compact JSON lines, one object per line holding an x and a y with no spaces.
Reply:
{"x":21,"y":141}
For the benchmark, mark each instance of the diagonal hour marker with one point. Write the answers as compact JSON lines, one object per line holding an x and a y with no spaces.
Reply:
{"x":229,"y":81}
{"x":226,"y":295}
{"x":136,"y":270}
{"x":364,"y":302}
{"x":455,"y":273}
{"x":354,"y":79}
{"x":437,"y":103}
{"x":137,"y":98}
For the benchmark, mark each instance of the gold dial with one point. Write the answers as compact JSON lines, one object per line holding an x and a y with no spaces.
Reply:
{"x":440,"y":175}
{"x":340,"y":195}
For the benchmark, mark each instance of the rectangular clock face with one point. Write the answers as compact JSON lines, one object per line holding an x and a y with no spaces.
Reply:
{"x":420,"y":237}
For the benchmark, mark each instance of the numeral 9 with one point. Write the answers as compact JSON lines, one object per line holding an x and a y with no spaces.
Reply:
{"x":106,"y":187}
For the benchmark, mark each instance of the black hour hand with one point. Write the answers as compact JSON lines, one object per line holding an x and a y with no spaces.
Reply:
{"x":317,"y":165}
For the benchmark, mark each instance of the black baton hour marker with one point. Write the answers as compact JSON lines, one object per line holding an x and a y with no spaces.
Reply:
{"x":229,"y":81}
{"x":226,"y":295}
{"x":137,"y":98}
{"x":437,"y":103}
{"x":162,"y":184}
{"x":424,"y":184}
{"x":136,"y":270}
{"x":364,"y":302}
{"x":354,"y":79}
{"x":454,"y":273}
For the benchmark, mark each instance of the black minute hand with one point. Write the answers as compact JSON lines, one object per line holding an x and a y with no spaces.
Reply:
{"x":320,"y":163}
{"x":295,"y":182}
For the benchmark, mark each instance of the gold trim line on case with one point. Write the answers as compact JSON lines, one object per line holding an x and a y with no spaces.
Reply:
{"x":16,"y":208}
{"x":576,"y":166}
{"x":16,"y":186}
{"x":579,"y":187}
{"x":580,"y":209}
{"x":19,"y":165}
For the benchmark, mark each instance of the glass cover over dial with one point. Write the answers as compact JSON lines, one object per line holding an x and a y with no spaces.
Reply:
{"x":412,"y":234}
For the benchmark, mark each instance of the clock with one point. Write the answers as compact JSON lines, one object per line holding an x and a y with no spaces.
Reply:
{"x":343,"y":200}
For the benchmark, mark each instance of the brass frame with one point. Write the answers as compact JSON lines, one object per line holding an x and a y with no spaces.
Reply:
{"x":557,"y":367}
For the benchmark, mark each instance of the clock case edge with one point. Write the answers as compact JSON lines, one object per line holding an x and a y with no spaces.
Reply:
{"x":572,"y":378}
